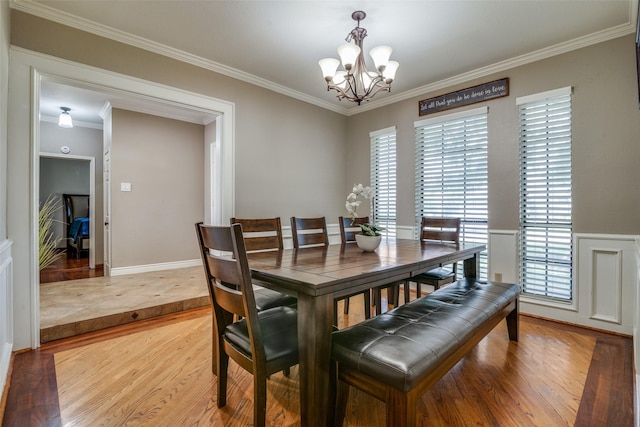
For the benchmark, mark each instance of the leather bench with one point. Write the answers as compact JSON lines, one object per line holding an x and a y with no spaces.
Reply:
{"x":399,"y":355}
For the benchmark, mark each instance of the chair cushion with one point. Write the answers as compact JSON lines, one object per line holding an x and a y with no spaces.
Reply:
{"x":267,"y":298}
{"x":279,"y":327}
{"x":435,"y":274}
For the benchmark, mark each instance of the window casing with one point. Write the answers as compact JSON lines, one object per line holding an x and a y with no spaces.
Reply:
{"x":451,"y":173}
{"x":545,"y":195}
{"x":383,"y":179}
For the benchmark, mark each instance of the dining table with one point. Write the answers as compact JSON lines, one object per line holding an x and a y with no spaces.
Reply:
{"x":318,"y":276}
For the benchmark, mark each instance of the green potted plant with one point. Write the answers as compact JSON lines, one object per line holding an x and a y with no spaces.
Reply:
{"x":369,"y":237}
{"x":47,"y":242}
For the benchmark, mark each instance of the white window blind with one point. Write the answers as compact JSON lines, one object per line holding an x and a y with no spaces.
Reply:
{"x":383,"y":179}
{"x":545,"y":195}
{"x":451,"y":173}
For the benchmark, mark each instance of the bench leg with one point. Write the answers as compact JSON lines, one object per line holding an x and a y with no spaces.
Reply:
{"x":512,"y":323}
{"x":342,"y":397}
{"x":401,"y":408}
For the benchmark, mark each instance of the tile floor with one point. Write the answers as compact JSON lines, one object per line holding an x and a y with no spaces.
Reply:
{"x":78,"y":306}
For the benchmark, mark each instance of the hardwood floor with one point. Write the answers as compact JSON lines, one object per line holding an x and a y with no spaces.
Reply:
{"x":68,"y":267}
{"x":158,"y":373}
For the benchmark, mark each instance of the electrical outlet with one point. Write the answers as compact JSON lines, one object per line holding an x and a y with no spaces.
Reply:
{"x":125,"y":186}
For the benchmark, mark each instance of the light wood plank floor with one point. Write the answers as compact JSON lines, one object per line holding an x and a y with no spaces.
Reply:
{"x":158,"y":373}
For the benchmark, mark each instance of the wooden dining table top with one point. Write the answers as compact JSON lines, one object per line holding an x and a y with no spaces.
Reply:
{"x":329,"y":269}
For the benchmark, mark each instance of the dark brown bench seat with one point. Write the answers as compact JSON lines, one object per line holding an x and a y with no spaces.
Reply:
{"x":399,"y":355}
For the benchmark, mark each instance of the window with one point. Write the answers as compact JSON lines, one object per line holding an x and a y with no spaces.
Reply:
{"x":451,"y":173}
{"x":383,"y":179}
{"x":545,"y":194}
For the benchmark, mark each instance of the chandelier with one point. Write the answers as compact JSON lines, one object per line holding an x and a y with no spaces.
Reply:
{"x":356,"y":83}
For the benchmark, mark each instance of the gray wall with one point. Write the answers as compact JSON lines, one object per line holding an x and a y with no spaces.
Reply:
{"x":163,"y":160}
{"x":606,"y":138}
{"x":4,"y":88}
{"x":82,"y":141}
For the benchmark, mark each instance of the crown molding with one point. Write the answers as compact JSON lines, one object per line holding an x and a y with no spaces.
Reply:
{"x":46,"y":12}
{"x":548,"y":52}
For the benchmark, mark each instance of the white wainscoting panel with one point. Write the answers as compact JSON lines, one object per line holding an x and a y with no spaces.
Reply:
{"x":503,"y":256}
{"x":606,"y":274}
{"x":404,"y":232}
{"x":6,"y":310}
{"x":606,"y":281}
{"x":606,"y":285}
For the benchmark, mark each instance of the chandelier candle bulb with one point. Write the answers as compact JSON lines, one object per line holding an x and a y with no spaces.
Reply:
{"x":329,"y":67}
{"x":380,"y":56}
{"x":348,"y":55}
{"x":389,"y":72}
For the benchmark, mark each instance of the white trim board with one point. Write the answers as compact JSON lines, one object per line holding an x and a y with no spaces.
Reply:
{"x":148,"y":268}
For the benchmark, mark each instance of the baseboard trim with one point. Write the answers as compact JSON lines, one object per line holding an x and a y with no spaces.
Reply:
{"x":135,"y":269}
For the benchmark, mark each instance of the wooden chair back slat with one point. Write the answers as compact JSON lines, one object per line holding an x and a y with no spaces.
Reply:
{"x":309,"y":232}
{"x":446,"y":230}
{"x":350,"y":227}
{"x":261,"y":234}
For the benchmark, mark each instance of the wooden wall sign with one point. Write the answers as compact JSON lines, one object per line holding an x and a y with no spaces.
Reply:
{"x":483,"y":92}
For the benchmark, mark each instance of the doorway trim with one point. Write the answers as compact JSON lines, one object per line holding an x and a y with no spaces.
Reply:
{"x":26,"y":71}
{"x":92,"y":197}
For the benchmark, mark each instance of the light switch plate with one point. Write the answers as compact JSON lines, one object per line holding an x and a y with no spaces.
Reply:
{"x":125,"y":186}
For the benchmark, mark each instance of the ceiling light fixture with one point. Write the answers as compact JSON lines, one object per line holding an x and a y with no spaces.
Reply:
{"x":64,"y":121}
{"x":355,"y":83}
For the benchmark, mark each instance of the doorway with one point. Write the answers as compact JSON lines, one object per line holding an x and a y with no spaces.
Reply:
{"x":71,"y":174}
{"x":140,"y":135}
{"x":26,"y":72}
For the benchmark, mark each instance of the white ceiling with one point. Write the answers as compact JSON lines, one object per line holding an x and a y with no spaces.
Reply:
{"x":277,"y":44}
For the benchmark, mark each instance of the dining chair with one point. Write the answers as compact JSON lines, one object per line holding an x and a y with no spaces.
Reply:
{"x":436,"y":230}
{"x":262,"y":342}
{"x":348,"y":230}
{"x":264,"y":234}
{"x":309,"y":232}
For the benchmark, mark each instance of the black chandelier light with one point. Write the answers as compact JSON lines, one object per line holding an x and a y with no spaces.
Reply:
{"x":355,"y":83}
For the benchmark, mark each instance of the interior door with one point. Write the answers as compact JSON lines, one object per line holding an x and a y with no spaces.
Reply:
{"x":107,"y":212}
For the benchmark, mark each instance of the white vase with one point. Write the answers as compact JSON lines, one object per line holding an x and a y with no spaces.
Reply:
{"x":368,"y":243}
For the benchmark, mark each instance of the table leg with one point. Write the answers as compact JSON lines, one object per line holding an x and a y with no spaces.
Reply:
{"x":472,"y":266}
{"x":315,"y":323}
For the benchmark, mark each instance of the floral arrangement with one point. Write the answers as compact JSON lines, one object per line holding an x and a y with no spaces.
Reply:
{"x":352,"y":204}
